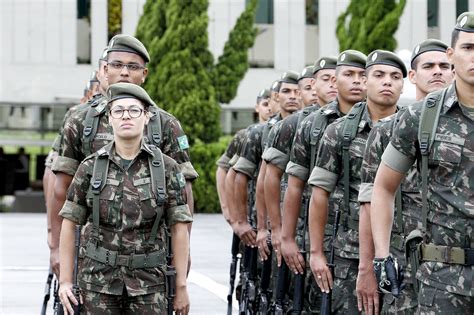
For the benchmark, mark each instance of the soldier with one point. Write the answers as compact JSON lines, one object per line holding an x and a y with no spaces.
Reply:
{"x":262,"y":108}
{"x":430,"y":69}
{"x":324,"y":71}
{"x":337,"y":171}
{"x":142,"y":189}
{"x":438,"y":134}
{"x":86,"y":131}
{"x":306,"y":84}
{"x":274,"y":104}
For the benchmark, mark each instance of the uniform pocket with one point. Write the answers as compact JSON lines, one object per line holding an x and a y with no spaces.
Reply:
{"x":444,"y":162}
{"x":148,"y":202}
{"x":426,"y":296}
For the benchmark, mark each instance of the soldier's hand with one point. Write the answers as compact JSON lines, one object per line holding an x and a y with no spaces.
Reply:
{"x":54,"y":260}
{"x":367,"y":291}
{"x":321,"y":272}
{"x":389,"y":275}
{"x":293,"y":258}
{"x":262,"y":243}
{"x":181,"y":301}
{"x":276,"y":243}
{"x":67,"y":297}
{"x":245,"y":233}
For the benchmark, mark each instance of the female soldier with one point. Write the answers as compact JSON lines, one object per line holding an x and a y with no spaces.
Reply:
{"x":123,"y":194}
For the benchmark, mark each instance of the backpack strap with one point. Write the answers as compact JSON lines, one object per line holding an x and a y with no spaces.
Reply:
{"x":318,"y":125}
{"x":91,"y":123}
{"x":98,"y":181}
{"x":426,"y":134}
{"x":351,"y":126}
{"x":157,"y":171}
{"x":154,"y":127}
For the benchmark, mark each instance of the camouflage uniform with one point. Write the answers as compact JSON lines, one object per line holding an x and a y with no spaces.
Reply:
{"x":299,"y":166}
{"x":409,"y":217}
{"x":232,"y":149}
{"x":128,"y":209}
{"x":444,"y":287}
{"x":328,"y":174}
{"x":173,"y":140}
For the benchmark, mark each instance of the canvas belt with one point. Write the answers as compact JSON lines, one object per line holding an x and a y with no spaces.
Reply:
{"x":132,"y":261}
{"x":447,"y":254}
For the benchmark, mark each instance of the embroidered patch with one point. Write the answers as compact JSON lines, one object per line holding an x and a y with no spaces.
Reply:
{"x":322,"y":63}
{"x":183,"y":142}
{"x":181,"y":179}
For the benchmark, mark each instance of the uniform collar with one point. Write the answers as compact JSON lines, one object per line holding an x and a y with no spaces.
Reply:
{"x":451,"y":98}
{"x":109,"y":150}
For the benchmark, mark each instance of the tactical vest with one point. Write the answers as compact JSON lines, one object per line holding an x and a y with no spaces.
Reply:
{"x":96,"y":110}
{"x":98,"y":181}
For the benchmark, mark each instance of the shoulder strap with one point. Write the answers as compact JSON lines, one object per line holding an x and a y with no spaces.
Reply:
{"x":154,"y":128}
{"x":426,"y":134}
{"x":398,"y":194}
{"x":157,"y":171}
{"x":98,"y":181}
{"x":318,"y":125}
{"x":351,"y":126}
{"x":91,"y":123}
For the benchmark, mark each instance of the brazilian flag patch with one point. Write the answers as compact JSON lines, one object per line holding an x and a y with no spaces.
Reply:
{"x":183,"y":142}
{"x":181,"y":179}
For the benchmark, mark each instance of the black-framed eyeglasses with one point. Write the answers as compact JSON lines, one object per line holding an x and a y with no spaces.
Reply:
{"x":133,"y":111}
{"x":130,"y":66}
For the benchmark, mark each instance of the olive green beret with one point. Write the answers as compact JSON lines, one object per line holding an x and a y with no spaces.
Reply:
{"x":127,"y":43}
{"x":352,"y":58}
{"x":427,"y":45}
{"x":128,"y":90}
{"x":103,"y":56}
{"x":264,"y":93}
{"x":325,"y":63}
{"x":384,"y":57}
{"x":308,"y":72}
{"x":289,"y":77}
{"x":276,"y":86}
{"x":465,"y":22}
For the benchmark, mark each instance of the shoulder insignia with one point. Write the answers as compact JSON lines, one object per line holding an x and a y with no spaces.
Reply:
{"x":183,"y":142}
{"x":181,"y":180}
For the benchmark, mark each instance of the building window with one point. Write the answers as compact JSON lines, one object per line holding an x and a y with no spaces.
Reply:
{"x":83,"y":32}
{"x":264,"y":12}
{"x":312,"y":12}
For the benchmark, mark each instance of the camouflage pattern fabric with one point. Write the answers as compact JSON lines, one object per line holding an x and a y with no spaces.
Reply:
{"x":433,"y":300}
{"x":450,"y":187}
{"x":344,"y":297}
{"x":250,"y":154}
{"x":106,"y":304}
{"x":266,"y":138}
{"x":128,"y":208}
{"x":377,"y":141}
{"x":71,"y":152}
{"x":233,"y":147}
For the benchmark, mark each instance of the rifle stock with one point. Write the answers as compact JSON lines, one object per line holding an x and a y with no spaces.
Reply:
{"x":233,"y":270}
{"x":326,"y":297}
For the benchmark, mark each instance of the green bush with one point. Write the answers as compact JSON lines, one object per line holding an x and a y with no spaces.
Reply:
{"x":204,"y":157}
{"x":114,"y":17}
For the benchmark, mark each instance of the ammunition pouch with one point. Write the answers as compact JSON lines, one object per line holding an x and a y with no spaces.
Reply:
{"x":132,"y":261}
{"x":413,"y":254}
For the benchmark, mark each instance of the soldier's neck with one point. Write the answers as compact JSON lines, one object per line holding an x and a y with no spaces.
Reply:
{"x":127,"y":148}
{"x":465,"y":93}
{"x":378,"y":112}
{"x":344,"y":106}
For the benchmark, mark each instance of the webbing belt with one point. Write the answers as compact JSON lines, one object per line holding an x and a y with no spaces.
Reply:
{"x":447,"y":254}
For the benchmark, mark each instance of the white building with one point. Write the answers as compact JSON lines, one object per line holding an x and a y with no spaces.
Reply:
{"x":48,"y":45}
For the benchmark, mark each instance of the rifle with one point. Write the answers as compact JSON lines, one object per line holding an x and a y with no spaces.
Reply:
{"x":265,"y":278}
{"x":281,"y":287}
{"x":58,"y":306}
{"x":47,"y":291}
{"x":170,"y":275}
{"x":249,"y":292}
{"x":300,"y":278}
{"x":326,"y":297}
{"x":75,"y":287}
{"x":233,"y":270}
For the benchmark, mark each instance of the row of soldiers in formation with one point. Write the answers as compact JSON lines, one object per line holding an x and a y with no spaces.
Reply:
{"x":328,"y":192}
{"x":120,"y":169}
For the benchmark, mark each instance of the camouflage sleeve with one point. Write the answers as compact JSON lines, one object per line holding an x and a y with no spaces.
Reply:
{"x":56,"y":143}
{"x":298,"y":165}
{"x":75,"y":208}
{"x":401,"y":153}
{"x":278,"y":151}
{"x":175,"y":145}
{"x":223,"y":162}
{"x":250,"y":155}
{"x":176,"y":208}
{"x":328,"y":163}
{"x":70,"y":154}
{"x":376,"y":142}
{"x":231,"y":150}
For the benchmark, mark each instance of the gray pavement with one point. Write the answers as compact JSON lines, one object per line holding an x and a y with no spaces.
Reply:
{"x":24,"y":257}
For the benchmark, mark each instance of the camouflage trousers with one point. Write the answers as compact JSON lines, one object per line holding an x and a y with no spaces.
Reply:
{"x":405,"y":304}
{"x":104,"y":304}
{"x":312,"y":296}
{"x":432,"y":300}
{"x":344,"y":296}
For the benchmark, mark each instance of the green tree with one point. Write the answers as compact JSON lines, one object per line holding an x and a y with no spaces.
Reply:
{"x":367,"y":25}
{"x":152,"y":23}
{"x":233,"y":63}
{"x":114,"y":17}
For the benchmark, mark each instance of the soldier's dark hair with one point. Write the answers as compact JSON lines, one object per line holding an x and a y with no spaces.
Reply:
{"x":454,"y":37}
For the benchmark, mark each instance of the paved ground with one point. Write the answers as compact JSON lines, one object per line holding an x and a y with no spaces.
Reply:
{"x":24,"y":264}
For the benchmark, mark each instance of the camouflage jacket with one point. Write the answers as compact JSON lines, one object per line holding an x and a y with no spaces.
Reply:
{"x":328,"y":174}
{"x":232,"y":149}
{"x":128,"y":208}
{"x":450,"y":185}
{"x":71,"y":152}
{"x":250,"y":154}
